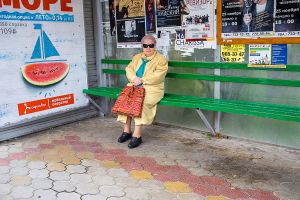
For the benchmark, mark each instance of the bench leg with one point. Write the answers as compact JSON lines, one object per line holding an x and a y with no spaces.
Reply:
{"x":96,"y":105}
{"x":207,"y":124}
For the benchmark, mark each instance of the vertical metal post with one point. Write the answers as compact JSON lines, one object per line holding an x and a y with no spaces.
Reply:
{"x":99,"y":46}
{"x":217,"y":91}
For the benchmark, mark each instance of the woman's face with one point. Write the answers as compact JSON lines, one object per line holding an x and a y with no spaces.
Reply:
{"x":148,"y":47}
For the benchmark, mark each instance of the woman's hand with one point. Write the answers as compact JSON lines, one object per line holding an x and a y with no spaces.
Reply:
{"x":137,"y":81}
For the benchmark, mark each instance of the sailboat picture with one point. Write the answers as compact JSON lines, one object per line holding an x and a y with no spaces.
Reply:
{"x":44,"y":68}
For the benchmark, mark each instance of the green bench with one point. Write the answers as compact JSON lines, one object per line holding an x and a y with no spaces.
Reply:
{"x":258,"y":109}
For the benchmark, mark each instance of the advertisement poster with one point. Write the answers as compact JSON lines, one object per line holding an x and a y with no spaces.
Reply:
{"x":279,"y":54}
{"x":42,"y":60}
{"x":168,"y":13}
{"x":198,"y":19}
{"x":181,"y":43}
{"x":260,"y":55}
{"x":248,"y":18}
{"x":233,"y":53}
{"x":150,"y":16}
{"x":287,"y":22}
{"x":130,"y":16}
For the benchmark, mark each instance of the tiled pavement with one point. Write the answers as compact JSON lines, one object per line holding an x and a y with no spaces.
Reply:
{"x":83,"y":161}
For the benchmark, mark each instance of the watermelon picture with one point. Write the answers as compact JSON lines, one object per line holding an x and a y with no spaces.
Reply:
{"x":44,"y":74}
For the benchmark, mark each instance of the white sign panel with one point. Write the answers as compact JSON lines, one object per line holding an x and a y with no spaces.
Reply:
{"x":42,"y":58}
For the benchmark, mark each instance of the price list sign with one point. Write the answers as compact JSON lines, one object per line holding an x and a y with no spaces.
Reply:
{"x":233,"y":53}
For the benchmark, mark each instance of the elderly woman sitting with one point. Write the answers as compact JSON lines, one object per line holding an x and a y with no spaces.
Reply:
{"x":147,"y":69}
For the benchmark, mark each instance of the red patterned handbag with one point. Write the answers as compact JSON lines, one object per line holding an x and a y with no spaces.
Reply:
{"x":130,"y":101}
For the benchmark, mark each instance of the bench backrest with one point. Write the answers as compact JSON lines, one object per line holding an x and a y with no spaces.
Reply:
{"x":215,"y":77}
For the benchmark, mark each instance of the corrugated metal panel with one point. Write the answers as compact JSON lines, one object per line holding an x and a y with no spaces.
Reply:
{"x":71,"y":116}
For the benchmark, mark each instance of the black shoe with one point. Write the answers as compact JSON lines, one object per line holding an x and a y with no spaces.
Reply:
{"x":124,"y":137}
{"x":135,"y":142}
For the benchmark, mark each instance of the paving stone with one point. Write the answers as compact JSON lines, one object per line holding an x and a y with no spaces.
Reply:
{"x":21,"y":192}
{"x":4,"y":170}
{"x":103,"y":180}
{"x":117,"y":173}
{"x":3,"y":148}
{"x":19,"y":171}
{"x":53,"y":166}
{"x":190,"y":196}
{"x":44,"y":183}
{"x":110,"y":164}
{"x":59,"y":176}
{"x":94,"y":197}
{"x":35,"y":157}
{"x":95,"y":171}
{"x":127,"y":182}
{"x":52,"y":158}
{"x":3,"y":154}
{"x":39,"y":173}
{"x":177,"y":187}
{"x":187,"y":163}
{"x":118,"y":198}
{"x":36,"y":165}
{"x":140,"y":174}
{"x":20,"y":180}
{"x":68,"y":196}
{"x":5,"y":189}
{"x":163,"y":195}
{"x":15,"y":150}
{"x":87,"y":188}
{"x":75,"y":169}
{"x":90,"y":163}
{"x":71,"y":160}
{"x":199,"y":171}
{"x":152,"y":184}
{"x":61,"y":186}
{"x":44,"y":195}
{"x":81,"y":178}
{"x":18,"y":163}
{"x":109,"y":191}
{"x":4,"y":178}
{"x":137,"y":193}
{"x":84,"y":155}
{"x":5,"y":197}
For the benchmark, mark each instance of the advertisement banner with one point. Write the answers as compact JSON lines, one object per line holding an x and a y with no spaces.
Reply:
{"x":248,"y":18}
{"x":267,"y":55}
{"x":168,"y":13}
{"x":287,"y":22}
{"x":130,"y":16}
{"x":42,"y":59}
{"x":198,"y":19}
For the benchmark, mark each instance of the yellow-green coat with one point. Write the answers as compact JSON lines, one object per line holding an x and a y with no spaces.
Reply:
{"x":153,"y":82}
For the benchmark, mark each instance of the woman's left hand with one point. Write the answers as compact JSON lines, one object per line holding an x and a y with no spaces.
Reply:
{"x":137,"y":81}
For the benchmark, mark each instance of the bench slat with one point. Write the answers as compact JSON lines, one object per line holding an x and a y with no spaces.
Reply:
{"x":234,"y":79}
{"x":210,"y":65}
{"x":274,"y":111}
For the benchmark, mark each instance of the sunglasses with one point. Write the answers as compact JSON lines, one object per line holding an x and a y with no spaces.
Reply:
{"x":148,"y":45}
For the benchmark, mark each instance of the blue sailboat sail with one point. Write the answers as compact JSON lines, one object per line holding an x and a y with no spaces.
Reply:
{"x":37,"y":53}
{"x":43,"y":47}
{"x":49,"y":49}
